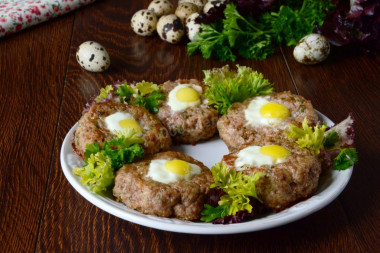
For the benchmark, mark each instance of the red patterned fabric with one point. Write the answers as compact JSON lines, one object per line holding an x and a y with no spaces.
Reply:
{"x":16,"y":15}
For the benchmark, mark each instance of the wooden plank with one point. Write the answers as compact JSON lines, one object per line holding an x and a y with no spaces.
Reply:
{"x":32,"y":72}
{"x":354,"y":81}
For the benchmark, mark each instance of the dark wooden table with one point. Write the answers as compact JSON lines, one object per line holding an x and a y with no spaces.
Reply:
{"x":43,"y":91}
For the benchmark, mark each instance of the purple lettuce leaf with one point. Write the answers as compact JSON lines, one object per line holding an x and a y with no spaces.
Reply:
{"x":356,"y":25}
{"x":346,"y":134}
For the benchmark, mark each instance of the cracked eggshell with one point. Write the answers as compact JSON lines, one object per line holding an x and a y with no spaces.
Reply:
{"x":184,"y":10}
{"x":170,"y":28}
{"x":312,"y":49}
{"x":93,"y":57}
{"x":192,"y":27}
{"x":144,"y":22}
{"x":161,"y":7}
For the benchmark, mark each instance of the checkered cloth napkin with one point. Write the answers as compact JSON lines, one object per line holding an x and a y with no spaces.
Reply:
{"x":16,"y":15}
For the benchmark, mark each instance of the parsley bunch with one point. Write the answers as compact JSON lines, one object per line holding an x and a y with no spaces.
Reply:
{"x":256,"y":38}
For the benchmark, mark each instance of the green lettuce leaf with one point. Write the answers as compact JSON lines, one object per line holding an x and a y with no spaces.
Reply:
{"x":237,"y":186}
{"x":97,"y":174}
{"x":101,"y":163}
{"x":104,"y":92}
{"x":308,"y":137}
{"x":225,"y":87}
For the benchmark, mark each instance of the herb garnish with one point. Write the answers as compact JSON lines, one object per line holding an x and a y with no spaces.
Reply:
{"x":101,"y":163}
{"x":239,"y":188}
{"x":256,"y":37}
{"x":315,"y":139}
{"x":226,"y":87}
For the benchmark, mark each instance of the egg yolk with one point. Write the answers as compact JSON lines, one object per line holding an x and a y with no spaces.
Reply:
{"x":187,"y":95}
{"x":125,"y":123}
{"x":178,"y":167}
{"x":275,"y":151}
{"x":274,"y":110}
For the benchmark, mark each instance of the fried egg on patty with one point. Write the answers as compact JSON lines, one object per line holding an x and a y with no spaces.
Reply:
{"x":263,"y":118}
{"x":262,"y":112}
{"x":170,"y":171}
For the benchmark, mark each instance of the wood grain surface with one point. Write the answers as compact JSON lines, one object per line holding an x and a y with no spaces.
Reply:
{"x":43,"y":91}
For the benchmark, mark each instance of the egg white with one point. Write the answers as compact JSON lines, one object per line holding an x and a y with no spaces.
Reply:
{"x":177,"y":105}
{"x":252,"y":157}
{"x":112,"y":121}
{"x":253,"y":116}
{"x":159,"y":173}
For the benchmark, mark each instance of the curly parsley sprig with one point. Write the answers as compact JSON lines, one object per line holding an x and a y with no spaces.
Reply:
{"x":143,"y":94}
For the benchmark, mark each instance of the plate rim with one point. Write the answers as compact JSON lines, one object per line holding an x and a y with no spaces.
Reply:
{"x":313,"y":204}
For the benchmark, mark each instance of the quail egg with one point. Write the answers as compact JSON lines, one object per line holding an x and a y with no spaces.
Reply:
{"x":198,"y":3}
{"x":170,"y":28}
{"x":93,"y":57}
{"x":144,"y":22}
{"x":161,"y":7}
{"x":312,"y":49}
{"x":192,"y":27}
{"x":184,"y":10}
{"x":212,"y":4}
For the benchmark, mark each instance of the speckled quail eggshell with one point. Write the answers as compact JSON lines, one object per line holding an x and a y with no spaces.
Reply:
{"x":198,"y":3}
{"x":212,"y":4}
{"x":161,"y":7}
{"x":170,"y":28}
{"x":93,"y":57}
{"x":312,"y":49}
{"x":192,"y":27}
{"x":144,"y":22}
{"x":184,"y":10}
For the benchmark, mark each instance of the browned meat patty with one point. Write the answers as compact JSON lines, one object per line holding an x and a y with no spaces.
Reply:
{"x":235,"y":131}
{"x":192,"y":125}
{"x":284,"y":184}
{"x":183,"y":199}
{"x":92,"y":128}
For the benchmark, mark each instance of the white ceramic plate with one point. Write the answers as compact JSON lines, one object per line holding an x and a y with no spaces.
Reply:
{"x":211,"y":152}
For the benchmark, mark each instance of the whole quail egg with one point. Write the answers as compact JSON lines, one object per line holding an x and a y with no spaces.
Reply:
{"x":211,"y":4}
{"x":192,"y":27}
{"x":184,"y":10}
{"x":312,"y":49}
{"x":144,"y":22}
{"x":198,"y":3}
{"x":161,"y":7}
{"x":170,"y":28}
{"x":93,"y":57}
